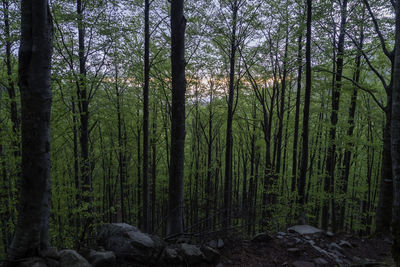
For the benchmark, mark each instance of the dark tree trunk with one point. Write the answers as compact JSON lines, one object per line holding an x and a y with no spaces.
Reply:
{"x":229,"y":137}
{"x":121,"y":152}
{"x":297,"y":114}
{"x":350,"y":131}
{"x":395,"y":138}
{"x":306,"y":116}
{"x":330,"y":161}
{"x":178,"y":25}
{"x":10,"y":85}
{"x":31,"y":232}
{"x":282,"y":107}
{"x":84,"y":119}
{"x":146,"y":191}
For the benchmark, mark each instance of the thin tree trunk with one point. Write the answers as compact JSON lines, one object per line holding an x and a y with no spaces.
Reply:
{"x":330,"y":161}
{"x":306,"y":116}
{"x":146,"y":191}
{"x":229,"y":138}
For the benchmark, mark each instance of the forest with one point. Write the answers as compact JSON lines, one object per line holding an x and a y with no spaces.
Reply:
{"x":197,"y":119}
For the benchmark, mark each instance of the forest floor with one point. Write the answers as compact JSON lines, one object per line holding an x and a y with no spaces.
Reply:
{"x":284,"y":249}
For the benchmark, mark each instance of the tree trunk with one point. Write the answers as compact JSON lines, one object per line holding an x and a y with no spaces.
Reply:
{"x":146,"y":191}
{"x":229,"y":138}
{"x":297,"y":114}
{"x":330,"y":161}
{"x":31,"y":232}
{"x":306,"y":116}
{"x":350,"y":131}
{"x":178,"y":25}
{"x":395,"y":138}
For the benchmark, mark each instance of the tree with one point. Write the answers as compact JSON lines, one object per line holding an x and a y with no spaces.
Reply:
{"x":178,"y":25}
{"x":306,"y":115}
{"x":396,"y":139}
{"x":146,"y":192}
{"x":31,"y":234}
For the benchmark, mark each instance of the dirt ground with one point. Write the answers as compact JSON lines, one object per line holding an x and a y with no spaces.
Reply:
{"x":295,"y":250}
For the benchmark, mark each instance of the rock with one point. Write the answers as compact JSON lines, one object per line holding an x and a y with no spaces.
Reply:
{"x":50,"y":252}
{"x":130,"y":244}
{"x":320,"y":261}
{"x":192,"y":253}
{"x":101,"y":258}
{"x":304,"y":230}
{"x":329,"y":234}
{"x":333,"y":246}
{"x":171,"y":256}
{"x":302,"y":264}
{"x":71,"y":258}
{"x":219,"y":265}
{"x":311,"y":242}
{"x":344,"y":243}
{"x":219,"y":243}
{"x":261,"y":237}
{"x":210,"y":255}
{"x":281,"y":233}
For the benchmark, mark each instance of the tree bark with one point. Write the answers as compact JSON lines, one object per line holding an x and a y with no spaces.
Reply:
{"x":306,"y":115}
{"x":229,"y":137}
{"x":178,"y":25}
{"x":330,"y":161}
{"x":31,"y":232}
{"x":146,"y":191}
{"x":395,"y":138}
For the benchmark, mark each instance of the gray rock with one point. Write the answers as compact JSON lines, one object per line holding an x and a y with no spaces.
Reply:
{"x":130,"y":244}
{"x":192,"y":253}
{"x":50,"y":252}
{"x":320,"y":261}
{"x":344,"y":243}
{"x":333,"y":246}
{"x":71,"y":258}
{"x":171,"y":256}
{"x":281,"y":233}
{"x":261,"y":237}
{"x":311,"y":242}
{"x":302,"y":264}
{"x":330,"y":234}
{"x":210,"y":255}
{"x":102,"y":258}
{"x":304,"y":230}
{"x":219,"y":243}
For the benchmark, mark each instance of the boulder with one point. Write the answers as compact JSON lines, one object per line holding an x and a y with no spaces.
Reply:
{"x":171,"y":256}
{"x":101,"y":258}
{"x":344,"y":243}
{"x":304,"y":230}
{"x":130,"y":244}
{"x":333,"y":246}
{"x":191,"y":253}
{"x":219,"y":243}
{"x":261,"y":237}
{"x":50,"y":252}
{"x":71,"y":258}
{"x":211,"y":255}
